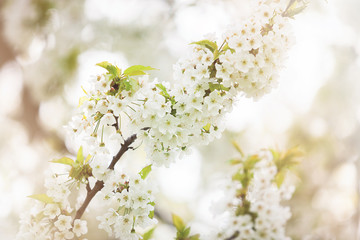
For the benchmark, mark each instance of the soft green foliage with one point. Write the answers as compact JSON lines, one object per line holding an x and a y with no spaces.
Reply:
{"x":245,"y":174}
{"x":148,"y":235}
{"x":80,"y":169}
{"x":64,"y":160}
{"x":226,"y":48}
{"x":183,"y":232}
{"x":212,"y":46}
{"x":217,"y":86}
{"x":42,"y":198}
{"x":238,"y":148}
{"x":165,"y":93}
{"x":120,"y":81}
{"x":207,"y":127}
{"x":112,"y":69}
{"x":152,"y":213}
{"x":145,"y":171}
{"x":137,"y":70}
{"x":284,"y":162}
{"x":295,"y":7}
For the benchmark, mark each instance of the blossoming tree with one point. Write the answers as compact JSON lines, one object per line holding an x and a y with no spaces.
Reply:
{"x":124,"y":108}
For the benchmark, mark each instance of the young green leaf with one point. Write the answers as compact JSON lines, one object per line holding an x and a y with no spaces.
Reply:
{"x":145,"y":171}
{"x":251,"y":161}
{"x":178,"y":223}
{"x":294,"y":7}
{"x":212,"y":46}
{"x":234,"y":161}
{"x":217,"y":86}
{"x":64,"y":160}
{"x":207,"y":127}
{"x":279,"y":178}
{"x":186,"y":232}
{"x":151,"y":214}
{"x":147,"y":235}
{"x":238,"y":148}
{"x":137,"y":70}
{"x":165,"y":93}
{"x":87,"y":158}
{"x":42,"y":198}
{"x":113,"y":70}
{"x":80,"y":156}
{"x":195,"y":237}
{"x":226,"y":48}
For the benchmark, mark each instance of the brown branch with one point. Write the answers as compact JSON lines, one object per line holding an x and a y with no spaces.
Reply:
{"x":100,"y":184}
{"x":235,"y":235}
{"x":89,"y":196}
{"x":124,"y":147}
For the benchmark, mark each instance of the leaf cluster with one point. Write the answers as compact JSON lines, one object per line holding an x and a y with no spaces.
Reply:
{"x":284,"y":162}
{"x":80,"y":168}
{"x":183,"y":232}
{"x":123,"y":81}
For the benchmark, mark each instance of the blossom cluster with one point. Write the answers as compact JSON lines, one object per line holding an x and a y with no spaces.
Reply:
{"x":171,"y":118}
{"x":51,"y":218}
{"x":123,"y":105}
{"x":130,"y":205}
{"x":254,"y":199}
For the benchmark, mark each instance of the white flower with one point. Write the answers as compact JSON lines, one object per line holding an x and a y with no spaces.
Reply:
{"x":80,"y":227}
{"x":63,"y":223}
{"x":123,"y":225}
{"x":52,"y":210}
{"x":64,"y":235}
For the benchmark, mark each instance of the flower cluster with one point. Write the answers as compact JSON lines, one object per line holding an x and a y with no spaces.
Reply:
{"x":170,"y":118}
{"x":130,"y":205}
{"x":51,"y":217}
{"x":124,"y":106}
{"x":255,"y":194}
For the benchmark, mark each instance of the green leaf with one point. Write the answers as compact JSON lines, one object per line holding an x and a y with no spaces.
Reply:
{"x":145,"y":171}
{"x":195,"y":237}
{"x":80,"y":156}
{"x":207,"y":127}
{"x":212,"y":46}
{"x":234,"y":161}
{"x":217,"y":86}
{"x":186,"y":232}
{"x":226,"y":48}
{"x":64,"y":160}
{"x":279,"y":178}
{"x":151,"y":214}
{"x":162,"y":88}
{"x":42,"y":198}
{"x":137,"y":70}
{"x":178,"y":223}
{"x":113,"y":70}
{"x":165,"y":93}
{"x":87,"y":158}
{"x":294,"y":7}
{"x":238,"y":148}
{"x":147,"y":235}
{"x":251,"y":161}
{"x":287,"y":159}
{"x":134,"y":84}
{"x":216,"y":54}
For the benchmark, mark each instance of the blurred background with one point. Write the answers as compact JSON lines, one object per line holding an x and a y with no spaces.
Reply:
{"x":49,"y":48}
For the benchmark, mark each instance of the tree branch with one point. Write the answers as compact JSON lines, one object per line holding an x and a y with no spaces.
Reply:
{"x":100,"y":184}
{"x":235,"y":235}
